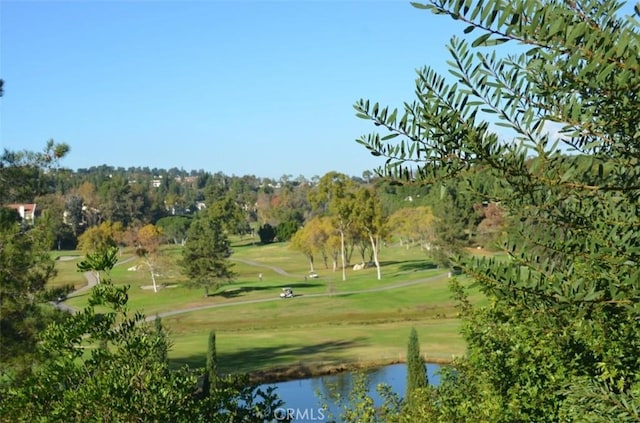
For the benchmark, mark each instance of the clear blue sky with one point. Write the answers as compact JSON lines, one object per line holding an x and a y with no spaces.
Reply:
{"x":260,"y":88}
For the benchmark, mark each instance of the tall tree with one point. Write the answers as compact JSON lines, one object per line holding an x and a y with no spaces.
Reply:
{"x":52,"y":206}
{"x":25,"y":267}
{"x":147,"y":243}
{"x":229,"y":213}
{"x":175,"y":228}
{"x":370,"y":219}
{"x":567,"y":296}
{"x":206,"y":253}
{"x":100,"y":238}
{"x":74,"y":213}
{"x":211,"y":370}
{"x":416,"y":371}
{"x":25,"y":263}
{"x":302,"y":241}
{"x":335,"y":197}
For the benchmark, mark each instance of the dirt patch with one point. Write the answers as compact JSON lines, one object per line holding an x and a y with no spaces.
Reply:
{"x":159,"y":286}
{"x":68,"y":258}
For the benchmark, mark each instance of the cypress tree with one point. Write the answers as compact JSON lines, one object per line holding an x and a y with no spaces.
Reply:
{"x":211,"y":375}
{"x":416,"y":372}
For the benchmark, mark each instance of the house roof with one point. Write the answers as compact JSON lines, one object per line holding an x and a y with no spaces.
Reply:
{"x":26,"y":211}
{"x":29,"y":207}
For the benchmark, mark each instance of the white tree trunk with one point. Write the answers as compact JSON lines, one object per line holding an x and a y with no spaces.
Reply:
{"x":153,"y":279}
{"x":153,"y":275}
{"x":311,"y":264}
{"x":342,"y":256}
{"x":375,"y":243}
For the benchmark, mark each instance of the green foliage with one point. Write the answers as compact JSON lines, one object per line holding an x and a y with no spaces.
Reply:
{"x":25,"y":265}
{"x":416,"y":371}
{"x":227,"y":211}
{"x":560,"y":336}
{"x":111,"y":366}
{"x":285,"y":230}
{"x":174,"y":227}
{"x":25,"y":268}
{"x":205,"y":254}
{"x":334,"y":197}
{"x":358,"y":406}
{"x":22,"y":173}
{"x":164,"y":344}
{"x":101,"y":237}
{"x":211,"y":370}
{"x":99,"y":261}
{"x":267,"y":233}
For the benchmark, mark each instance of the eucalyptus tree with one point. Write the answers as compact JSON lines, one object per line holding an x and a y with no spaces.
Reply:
{"x":411,"y":224}
{"x":302,"y":241}
{"x":334,"y":196}
{"x":99,"y":238}
{"x":560,"y":336}
{"x":74,"y":213}
{"x":175,"y":228}
{"x":146,"y":241}
{"x":370,"y":219}
{"x":230,"y":214}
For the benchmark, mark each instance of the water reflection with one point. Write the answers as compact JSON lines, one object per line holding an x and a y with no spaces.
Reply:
{"x":309,"y":394}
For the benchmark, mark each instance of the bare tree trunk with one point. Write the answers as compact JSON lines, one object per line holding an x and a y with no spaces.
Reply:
{"x":342,"y":254}
{"x":153,"y":277}
{"x":311,"y":264}
{"x":374,"y":246}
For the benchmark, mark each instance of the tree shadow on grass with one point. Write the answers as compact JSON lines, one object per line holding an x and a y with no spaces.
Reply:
{"x":277,"y":356}
{"x":234,"y":292}
{"x":302,"y":285}
{"x":417,"y":265}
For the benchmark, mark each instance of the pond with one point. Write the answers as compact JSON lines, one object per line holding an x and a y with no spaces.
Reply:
{"x":304,"y":398}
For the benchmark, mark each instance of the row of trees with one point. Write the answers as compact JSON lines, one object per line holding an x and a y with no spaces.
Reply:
{"x":77,"y":201}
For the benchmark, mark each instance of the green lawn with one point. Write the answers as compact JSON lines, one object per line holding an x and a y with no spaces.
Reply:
{"x":330,"y":321}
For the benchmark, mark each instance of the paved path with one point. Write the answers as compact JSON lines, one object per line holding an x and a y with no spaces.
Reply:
{"x":266,"y":266}
{"x":91,"y":282}
{"x":264,"y":300}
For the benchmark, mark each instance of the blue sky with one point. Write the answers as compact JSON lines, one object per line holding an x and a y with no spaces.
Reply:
{"x":261,"y":88}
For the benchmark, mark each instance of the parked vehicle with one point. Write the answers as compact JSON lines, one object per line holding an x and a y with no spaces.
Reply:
{"x":286,"y":293}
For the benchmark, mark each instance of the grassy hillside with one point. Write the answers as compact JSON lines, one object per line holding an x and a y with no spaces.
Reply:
{"x":329,"y":322}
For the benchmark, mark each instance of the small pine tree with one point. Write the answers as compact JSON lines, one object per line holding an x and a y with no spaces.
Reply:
{"x":416,"y":372}
{"x":211,"y":375}
{"x":205,"y":254}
